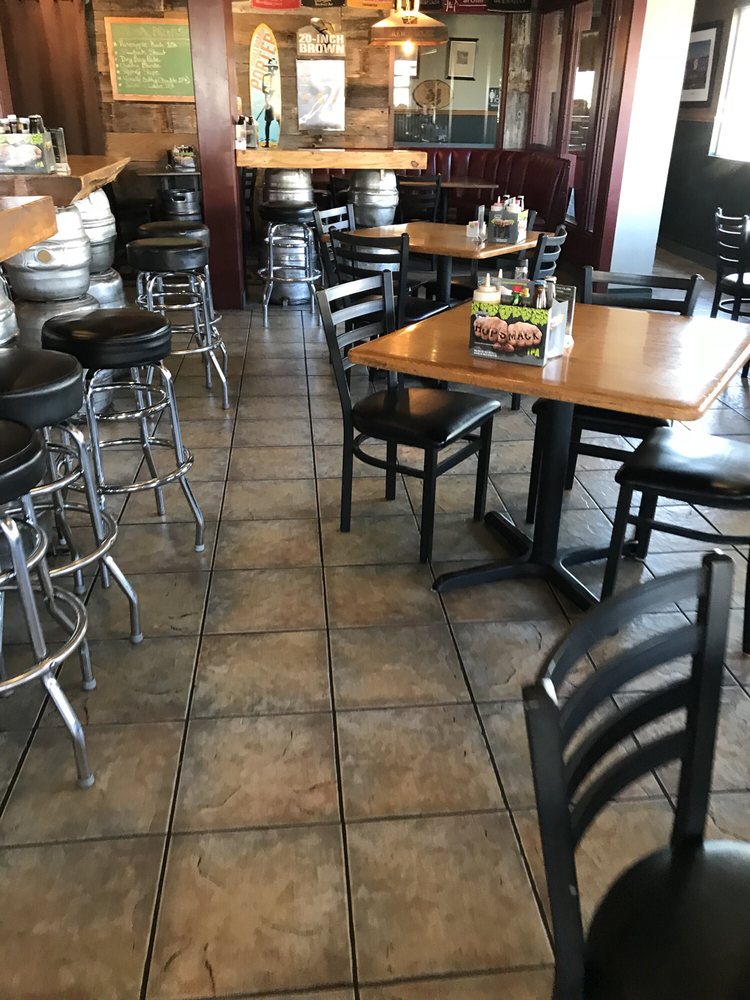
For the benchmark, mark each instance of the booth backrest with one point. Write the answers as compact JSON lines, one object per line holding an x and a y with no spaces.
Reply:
{"x":540,"y":177}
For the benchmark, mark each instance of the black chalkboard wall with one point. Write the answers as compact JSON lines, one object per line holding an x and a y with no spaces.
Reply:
{"x":697,"y":185}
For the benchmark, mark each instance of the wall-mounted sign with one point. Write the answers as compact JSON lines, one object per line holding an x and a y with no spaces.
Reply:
{"x":493,"y":98}
{"x":321,"y":89}
{"x":369,"y":4}
{"x":265,"y":85}
{"x":511,"y":6}
{"x":432,"y":94}
{"x":149,"y":59}
{"x":275,"y":4}
{"x":322,"y":3}
{"x":320,"y":42}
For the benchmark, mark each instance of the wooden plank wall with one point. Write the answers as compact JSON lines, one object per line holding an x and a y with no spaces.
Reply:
{"x":368,"y":104}
{"x":520,"y":78}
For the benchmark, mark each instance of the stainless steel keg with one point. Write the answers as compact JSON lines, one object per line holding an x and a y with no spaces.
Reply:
{"x":56,"y":269}
{"x":32,"y":316}
{"x":294,"y":186}
{"x":8,"y":324}
{"x":375,"y":197}
{"x":100,"y":227}
{"x":107,"y":288}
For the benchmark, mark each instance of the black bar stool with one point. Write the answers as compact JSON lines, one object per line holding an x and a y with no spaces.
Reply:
{"x":23,"y":548}
{"x":172,"y":279}
{"x":136,"y":341}
{"x":44,"y":390}
{"x":187,"y":230}
{"x":291,"y":256}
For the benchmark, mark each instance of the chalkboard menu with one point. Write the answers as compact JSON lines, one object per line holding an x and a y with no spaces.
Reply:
{"x":149,"y":59}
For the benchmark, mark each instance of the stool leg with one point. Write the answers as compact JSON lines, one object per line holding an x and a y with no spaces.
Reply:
{"x":108,"y":564}
{"x":3,"y":671}
{"x":180,"y":455}
{"x":96,"y":452}
{"x":61,"y":521}
{"x":74,"y":727}
{"x":211,"y":354}
{"x":145,"y":442}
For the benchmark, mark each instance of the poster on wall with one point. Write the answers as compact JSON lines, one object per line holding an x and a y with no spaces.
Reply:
{"x":275,"y":4}
{"x":320,"y":41}
{"x":700,"y":68}
{"x":465,"y":7}
{"x":369,"y":4}
{"x":265,"y":85}
{"x":322,"y":3}
{"x":462,"y":59}
{"x":321,"y":92}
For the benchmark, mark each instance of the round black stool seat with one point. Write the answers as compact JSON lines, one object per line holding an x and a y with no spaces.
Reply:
{"x":39,"y":388}
{"x":167,"y":253}
{"x":110,"y":338}
{"x":21,"y":460}
{"x":188,"y":230}
{"x":290,"y":212}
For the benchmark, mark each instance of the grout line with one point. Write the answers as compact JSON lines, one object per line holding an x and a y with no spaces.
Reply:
{"x":151,"y":943}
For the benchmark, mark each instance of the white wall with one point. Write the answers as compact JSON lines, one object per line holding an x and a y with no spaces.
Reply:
{"x":488,"y":29}
{"x":656,"y":103}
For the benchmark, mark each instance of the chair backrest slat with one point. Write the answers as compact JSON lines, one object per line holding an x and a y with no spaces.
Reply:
{"x":418,"y":198}
{"x":609,"y":288}
{"x":326,"y":220}
{"x":361,"y":256}
{"x":547,"y":252}
{"x":732,"y":243}
{"x":581,"y":761}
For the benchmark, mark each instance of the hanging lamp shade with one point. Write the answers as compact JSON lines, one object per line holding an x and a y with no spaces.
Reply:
{"x":405,"y":23}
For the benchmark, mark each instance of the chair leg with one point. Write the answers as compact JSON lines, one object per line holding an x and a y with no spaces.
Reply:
{"x":745,"y":370}
{"x":570,"y":473}
{"x":390,"y":473}
{"x":736,"y":305}
{"x":534,"y":474}
{"x":515,"y":401}
{"x":483,"y":470}
{"x":427,"y":525}
{"x":618,"y":541}
{"x":347,"y":471}
{"x":642,"y":531}
{"x":717,"y":299}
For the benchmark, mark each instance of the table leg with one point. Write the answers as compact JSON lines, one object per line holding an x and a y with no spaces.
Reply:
{"x":443,"y":277}
{"x":538,"y":556}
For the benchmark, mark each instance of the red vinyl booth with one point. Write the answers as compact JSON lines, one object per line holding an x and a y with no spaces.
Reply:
{"x":541,"y":178}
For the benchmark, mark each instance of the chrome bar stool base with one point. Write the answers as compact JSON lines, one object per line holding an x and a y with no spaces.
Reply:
{"x":292,"y":260}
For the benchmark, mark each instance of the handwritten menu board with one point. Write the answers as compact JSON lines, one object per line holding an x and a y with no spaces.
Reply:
{"x":149,"y":59}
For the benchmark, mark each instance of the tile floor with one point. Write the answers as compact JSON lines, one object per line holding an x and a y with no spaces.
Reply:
{"x":312,"y":777}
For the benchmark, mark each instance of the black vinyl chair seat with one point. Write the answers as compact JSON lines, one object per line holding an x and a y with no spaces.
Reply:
{"x":288,"y":212}
{"x":21,"y":460}
{"x":416,"y":309}
{"x":690,"y":464}
{"x":421,"y":417}
{"x":187,"y":230}
{"x":167,"y":253}
{"x":609,"y":421}
{"x":110,"y":338}
{"x":674,"y":927}
{"x":39,"y":388}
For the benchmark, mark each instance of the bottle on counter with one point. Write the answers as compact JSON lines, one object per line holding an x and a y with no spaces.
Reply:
{"x":522,"y":271}
{"x":539,"y":300}
{"x":36,"y":124}
{"x":551,"y":292}
{"x":13,"y":127}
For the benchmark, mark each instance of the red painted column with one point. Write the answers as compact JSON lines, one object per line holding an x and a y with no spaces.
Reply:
{"x":212,"y":45}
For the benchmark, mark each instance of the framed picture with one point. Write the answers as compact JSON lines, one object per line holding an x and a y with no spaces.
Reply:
{"x":321,"y":84}
{"x":462,"y":57}
{"x":700,"y":69}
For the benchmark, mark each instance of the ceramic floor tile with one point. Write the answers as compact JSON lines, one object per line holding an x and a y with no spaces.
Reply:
{"x":19,"y":710}
{"x":269,"y":500}
{"x":371,"y":540}
{"x":263,"y":673}
{"x":392,"y":665}
{"x":619,"y":836}
{"x":408,"y":761}
{"x":368,"y":499}
{"x":262,"y":771}
{"x":208,"y":408}
{"x":250,"y":912}
{"x":454,"y":495}
{"x":532,"y":985}
{"x":11,"y":748}
{"x":263,"y":600}
{"x":171,"y":604}
{"x":134,"y":768}
{"x":206,"y":434}
{"x":273,"y":385}
{"x":159,"y":548}
{"x":458,"y":536}
{"x":268,"y":544}
{"x":501,"y":657}
{"x":271,"y":463}
{"x":328,"y":430}
{"x":459,"y":876}
{"x":91,"y":921}
{"x":273,"y":407}
{"x":511,"y":600}
{"x":145,"y":683}
{"x":141,"y":508}
{"x":282,"y":433}
{"x":328,"y":463}
{"x":275,"y":366}
{"x":729,"y":816}
{"x":209,"y":466}
{"x":381,"y":595}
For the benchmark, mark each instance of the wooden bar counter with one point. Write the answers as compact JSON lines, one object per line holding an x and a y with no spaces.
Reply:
{"x":87,"y":174}
{"x":23,"y":222}
{"x":332,"y":159}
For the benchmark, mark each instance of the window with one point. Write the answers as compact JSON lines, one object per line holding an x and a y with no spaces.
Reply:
{"x":731,"y":138}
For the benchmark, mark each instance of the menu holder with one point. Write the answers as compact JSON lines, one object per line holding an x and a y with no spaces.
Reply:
{"x":521,"y":334}
{"x":26,"y":153}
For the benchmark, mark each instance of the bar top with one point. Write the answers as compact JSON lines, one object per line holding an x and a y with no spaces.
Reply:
{"x":23,"y":222}
{"x":332,"y":159}
{"x":87,"y":174}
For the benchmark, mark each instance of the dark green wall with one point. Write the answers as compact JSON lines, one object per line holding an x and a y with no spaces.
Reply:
{"x":697,"y":185}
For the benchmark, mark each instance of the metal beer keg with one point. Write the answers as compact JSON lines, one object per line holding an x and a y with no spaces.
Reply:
{"x":8,"y":324}
{"x":100,"y":227}
{"x":32,"y":316}
{"x":108,"y":290}
{"x":375,"y":197}
{"x":56,"y":269}
{"x":288,"y":185}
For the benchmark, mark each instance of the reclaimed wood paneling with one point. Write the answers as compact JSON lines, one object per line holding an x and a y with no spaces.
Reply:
{"x":520,"y":73}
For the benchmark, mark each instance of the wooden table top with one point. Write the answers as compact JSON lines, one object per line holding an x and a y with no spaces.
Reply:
{"x":23,"y":222}
{"x":166,"y":172}
{"x":87,"y":174}
{"x":471,"y":183}
{"x":653,"y":364}
{"x":332,"y":159}
{"x":443,"y":240}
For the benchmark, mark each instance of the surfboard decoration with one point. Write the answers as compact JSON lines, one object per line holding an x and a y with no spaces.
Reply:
{"x":265,"y":86}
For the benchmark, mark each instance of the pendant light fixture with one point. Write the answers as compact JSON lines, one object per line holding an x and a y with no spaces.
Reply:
{"x":407,"y":27}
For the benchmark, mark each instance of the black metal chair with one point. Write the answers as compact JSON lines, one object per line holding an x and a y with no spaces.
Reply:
{"x":630,"y":291}
{"x":249,"y":178}
{"x":428,"y":419}
{"x":732,"y":267}
{"x":340,"y":190}
{"x":674,"y":926}
{"x":418,"y":198}
{"x":342,"y":220}
{"x":361,"y":256}
{"x":689,"y":467}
